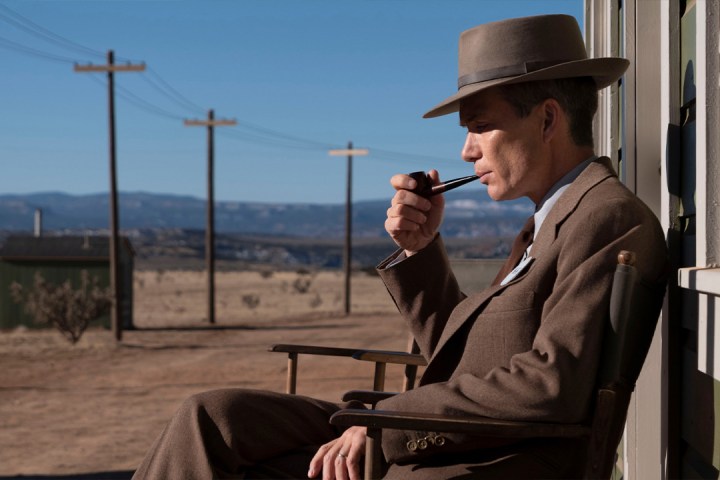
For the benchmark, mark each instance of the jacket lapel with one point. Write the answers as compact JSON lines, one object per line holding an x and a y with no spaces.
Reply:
{"x":595,"y":173}
{"x":568,"y":202}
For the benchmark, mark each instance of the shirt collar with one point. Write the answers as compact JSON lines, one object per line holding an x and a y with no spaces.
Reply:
{"x":551,"y":197}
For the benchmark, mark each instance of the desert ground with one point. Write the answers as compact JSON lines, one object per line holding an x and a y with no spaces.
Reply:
{"x":91,"y":410}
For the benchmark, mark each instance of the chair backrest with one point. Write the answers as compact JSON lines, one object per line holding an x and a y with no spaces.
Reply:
{"x":634,"y":310}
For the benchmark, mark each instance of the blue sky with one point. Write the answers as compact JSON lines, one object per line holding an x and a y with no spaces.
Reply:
{"x":299,"y":76}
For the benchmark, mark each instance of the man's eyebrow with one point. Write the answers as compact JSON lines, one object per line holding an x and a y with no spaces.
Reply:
{"x":464,"y":120}
{"x":469,"y":119}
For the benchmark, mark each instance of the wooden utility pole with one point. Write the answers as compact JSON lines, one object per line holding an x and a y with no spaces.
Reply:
{"x":210,"y":123}
{"x":347,"y":253}
{"x":115,"y":281}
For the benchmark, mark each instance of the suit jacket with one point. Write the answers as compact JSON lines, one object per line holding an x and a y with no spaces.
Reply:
{"x":527,"y":350}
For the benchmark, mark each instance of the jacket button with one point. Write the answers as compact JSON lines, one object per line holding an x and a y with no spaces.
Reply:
{"x":412,"y":445}
{"x":439,"y":441}
{"x":422,"y":444}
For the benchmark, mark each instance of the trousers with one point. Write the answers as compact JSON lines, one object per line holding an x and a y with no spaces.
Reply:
{"x":257,"y":434}
{"x":240,"y":433}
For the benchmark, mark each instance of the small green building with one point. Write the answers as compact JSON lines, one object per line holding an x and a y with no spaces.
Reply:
{"x":57,"y":259}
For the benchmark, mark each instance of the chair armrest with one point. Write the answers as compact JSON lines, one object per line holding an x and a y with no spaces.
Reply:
{"x":456,"y":424}
{"x":313,"y":350}
{"x":379,"y":357}
{"x":369,"y":397}
{"x":384,"y":356}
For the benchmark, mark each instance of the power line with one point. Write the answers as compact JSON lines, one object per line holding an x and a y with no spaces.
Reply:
{"x":168,"y":91}
{"x":11,"y":45}
{"x":285,"y":136}
{"x":33,"y":28}
{"x":253,"y":133}
{"x":145,"y":105}
{"x":257,"y":134}
{"x":270,"y":141}
{"x":404,"y":155}
{"x":138,"y":102}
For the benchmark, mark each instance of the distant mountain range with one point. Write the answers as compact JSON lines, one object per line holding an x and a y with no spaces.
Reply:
{"x":469,"y":213}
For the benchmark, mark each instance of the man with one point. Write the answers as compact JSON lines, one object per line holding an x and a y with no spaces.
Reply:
{"x":527,"y":347}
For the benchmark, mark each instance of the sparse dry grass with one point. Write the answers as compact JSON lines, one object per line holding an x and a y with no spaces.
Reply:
{"x":180,"y":297}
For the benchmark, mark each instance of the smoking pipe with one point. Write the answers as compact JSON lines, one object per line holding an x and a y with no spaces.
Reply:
{"x":425,"y":188}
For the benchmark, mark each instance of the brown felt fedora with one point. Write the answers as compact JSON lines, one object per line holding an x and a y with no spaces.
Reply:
{"x":543,"y":47}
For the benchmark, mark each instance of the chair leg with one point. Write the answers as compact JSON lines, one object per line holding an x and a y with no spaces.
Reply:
{"x":373,"y":454}
{"x":291,"y":384}
{"x":379,"y":380}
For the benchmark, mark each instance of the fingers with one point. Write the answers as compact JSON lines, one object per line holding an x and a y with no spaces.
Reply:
{"x":336,"y":464}
{"x":436,"y":200}
{"x":412,"y":220}
{"x":340,"y":468}
{"x":407,"y":212}
{"x":317,"y":460}
{"x":406,"y":197}
{"x":408,"y":205}
{"x":340,"y":459}
{"x":402,"y":181}
{"x":356,"y":452}
{"x":405,"y":217}
{"x":434,"y":176}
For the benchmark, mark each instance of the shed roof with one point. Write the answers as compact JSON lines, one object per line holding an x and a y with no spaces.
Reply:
{"x":71,"y":247}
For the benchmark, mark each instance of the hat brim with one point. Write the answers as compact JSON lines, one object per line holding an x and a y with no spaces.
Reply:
{"x":604,"y":71}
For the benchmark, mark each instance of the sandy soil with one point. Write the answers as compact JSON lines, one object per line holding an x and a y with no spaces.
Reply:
{"x":91,"y":410}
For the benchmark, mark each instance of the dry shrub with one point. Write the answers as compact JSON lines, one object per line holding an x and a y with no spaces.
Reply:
{"x":68,"y":309}
{"x":303,"y":282}
{"x":316,"y":301}
{"x":251,"y":300}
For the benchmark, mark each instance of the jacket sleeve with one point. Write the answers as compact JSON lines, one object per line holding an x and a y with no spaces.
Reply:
{"x":424,"y":290}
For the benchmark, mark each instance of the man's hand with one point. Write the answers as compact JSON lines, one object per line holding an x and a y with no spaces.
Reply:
{"x":340,"y":459}
{"x":412,"y":220}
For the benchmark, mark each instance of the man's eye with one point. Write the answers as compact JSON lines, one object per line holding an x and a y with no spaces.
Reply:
{"x":477,"y":127}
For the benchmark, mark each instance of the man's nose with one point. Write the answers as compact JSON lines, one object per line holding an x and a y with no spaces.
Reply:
{"x":471,"y":150}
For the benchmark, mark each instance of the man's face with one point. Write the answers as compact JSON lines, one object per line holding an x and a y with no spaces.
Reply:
{"x":507,"y":150}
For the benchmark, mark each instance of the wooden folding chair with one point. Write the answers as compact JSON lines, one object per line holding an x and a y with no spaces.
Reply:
{"x":634,"y":310}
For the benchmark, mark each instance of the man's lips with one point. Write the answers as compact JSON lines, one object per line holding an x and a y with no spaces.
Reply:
{"x":483,"y":175}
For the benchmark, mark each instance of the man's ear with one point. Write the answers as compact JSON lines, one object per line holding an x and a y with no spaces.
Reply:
{"x":551,"y":118}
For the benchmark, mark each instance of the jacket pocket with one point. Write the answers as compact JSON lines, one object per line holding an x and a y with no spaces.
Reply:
{"x":510,"y":302}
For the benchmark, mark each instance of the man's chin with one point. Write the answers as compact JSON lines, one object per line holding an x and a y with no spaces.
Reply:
{"x":501,"y":196}
{"x":496,"y":195}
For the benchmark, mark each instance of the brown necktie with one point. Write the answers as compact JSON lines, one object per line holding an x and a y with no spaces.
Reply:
{"x":520,"y":244}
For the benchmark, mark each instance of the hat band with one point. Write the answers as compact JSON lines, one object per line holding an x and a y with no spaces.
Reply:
{"x":507,"y":71}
